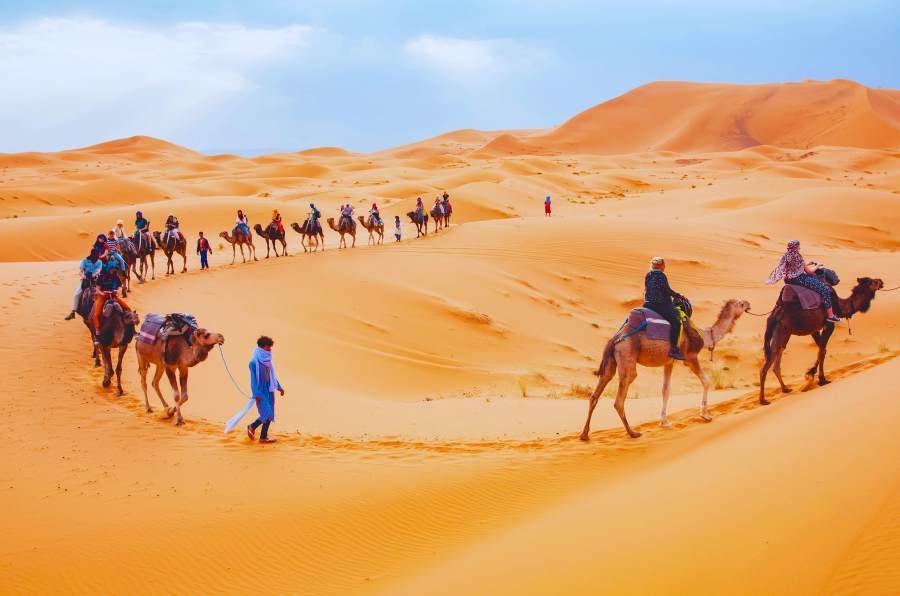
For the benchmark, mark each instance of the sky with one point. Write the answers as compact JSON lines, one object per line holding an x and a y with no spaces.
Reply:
{"x":274,"y":75}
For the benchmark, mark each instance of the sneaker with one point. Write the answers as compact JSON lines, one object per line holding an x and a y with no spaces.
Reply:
{"x":834,"y":319}
{"x":676,"y":354}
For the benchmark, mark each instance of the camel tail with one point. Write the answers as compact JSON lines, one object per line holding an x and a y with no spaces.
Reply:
{"x":608,"y":357}
{"x":771,"y":323}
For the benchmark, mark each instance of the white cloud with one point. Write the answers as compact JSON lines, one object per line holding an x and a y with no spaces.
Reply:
{"x":70,"y":80}
{"x":475,"y":57}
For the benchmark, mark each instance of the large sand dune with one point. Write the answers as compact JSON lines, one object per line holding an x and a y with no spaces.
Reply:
{"x":428,"y":440}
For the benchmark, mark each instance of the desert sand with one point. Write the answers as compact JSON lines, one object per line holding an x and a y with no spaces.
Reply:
{"x":428,"y":441}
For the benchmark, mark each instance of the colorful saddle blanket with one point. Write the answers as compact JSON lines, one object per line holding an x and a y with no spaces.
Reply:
{"x":158,"y":326}
{"x":808,"y":299}
{"x":656,"y":326}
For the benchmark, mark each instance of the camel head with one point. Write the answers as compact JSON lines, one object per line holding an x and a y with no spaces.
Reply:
{"x":864,"y":292}
{"x":207,"y":339}
{"x":131,"y":318}
{"x":258,"y":228}
{"x":737,"y":307}
{"x":297,"y":228}
{"x":224,"y":235}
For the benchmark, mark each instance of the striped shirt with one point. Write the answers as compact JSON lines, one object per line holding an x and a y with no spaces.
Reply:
{"x":112,"y":245}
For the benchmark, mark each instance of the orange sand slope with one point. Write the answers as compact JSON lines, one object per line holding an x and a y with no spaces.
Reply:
{"x":436,"y":387}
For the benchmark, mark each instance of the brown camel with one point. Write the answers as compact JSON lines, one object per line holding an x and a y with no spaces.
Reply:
{"x":437,"y":216}
{"x":313,"y":235}
{"x":129,"y":255}
{"x":169,"y":357}
{"x":448,"y":211}
{"x":170,"y":246}
{"x":789,"y":319}
{"x":421,"y":222}
{"x":373,"y":228}
{"x":145,"y":247}
{"x":116,"y":331}
{"x":239,"y":239}
{"x":623,"y":355}
{"x":346,"y":227}
{"x":271,"y":234}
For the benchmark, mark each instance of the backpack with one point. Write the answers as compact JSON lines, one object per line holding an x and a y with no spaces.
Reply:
{"x":829,"y":276}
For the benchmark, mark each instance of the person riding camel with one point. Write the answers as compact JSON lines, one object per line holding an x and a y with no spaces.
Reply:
{"x":108,"y":283}
{"x":141,"y":230}
{"x":112,"y":249}
{"x":172,"y":227}
{"x":314,"y":216}
{"x":375,"y":215}
{"x":100,"y":244}
{"x":119,"y":233}
{"x":445,"y":201}
{"x":420,"y":209}
{"x":658,"y":297}
{"x":276,"y":219}
{"x":243,"y":223}
{"x":793,"y":269}
{"x":347,"y":214}
{"x":439,"y":205}
{"x":88,"y":271}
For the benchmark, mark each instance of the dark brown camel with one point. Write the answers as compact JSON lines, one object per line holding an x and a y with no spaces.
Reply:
{"x":421,"y":222}
{"x":346,"y":227}
{"x":145,"y":248}
{"x":129,"y":255}
{"x":789,"y":319}
{"x":271,"y":234}
{"x":373,"y":228}
{"x":117,"y":328}
{"x":307,"y":233}
{"x":448,"y":211}
{"x":169,"y":357}
{"x":170,"y":246}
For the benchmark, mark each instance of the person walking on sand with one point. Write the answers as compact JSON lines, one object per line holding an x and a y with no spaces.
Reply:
{"x":204,"y":250}
{"x":397,"y":229}
{"x":263,"y":383}
{"x":547,"y":208}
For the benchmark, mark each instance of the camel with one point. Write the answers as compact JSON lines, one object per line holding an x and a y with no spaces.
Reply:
{"x":116,"y":331}
{"x":169,"y":247}
{"x":239,"y":239}
{"x":373,"y":229}
{"x":313,"y":235}
{"x":129,"y":255}
{"x":448,"y":211}
{"x":623,"y":354}
{"x":271,"y":234}
{"x":421,"y":223}
{"x":437,"y":216}
{"x":169,"y":357}
{"x":145,"y":247}
{"x":790,"y":319}
{"x":346,"y":227}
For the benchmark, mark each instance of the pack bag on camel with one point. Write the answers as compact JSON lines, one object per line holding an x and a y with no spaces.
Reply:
{"x":645,"y":319}
{"x":158,"y":327}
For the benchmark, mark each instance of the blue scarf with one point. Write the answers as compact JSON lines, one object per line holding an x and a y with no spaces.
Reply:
{"x":262,"y":358}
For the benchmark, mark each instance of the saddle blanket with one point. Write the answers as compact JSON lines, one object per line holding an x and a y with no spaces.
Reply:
{"x":808,"y":299}
{"x":657,"y":327}
{"x":150,"y":329}
{"x":157,"y":326}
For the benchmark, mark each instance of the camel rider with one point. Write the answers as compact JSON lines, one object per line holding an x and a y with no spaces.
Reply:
{"x":119,"y":233}
{"x":141,"y":230}
{"x":108,"y":283}
{"x":314,"y":216}
{"x":100,"y":244}
{"x":347,"y":213}
{"x":243,"y":223}
{"x":445,"y":201}
{"x":276,"y":219}
{"x":795,"y":270}
{"x":438,"y":205}
{"x":375,"y":214}
{"x":88,"y":272}
{"x":112,"y":250}
{"x":172,"y":227}
{"x":658,"y":298}
{"x":420,"y":209}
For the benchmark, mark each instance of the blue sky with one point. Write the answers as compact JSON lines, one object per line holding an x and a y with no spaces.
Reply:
{"x":273,"y":75}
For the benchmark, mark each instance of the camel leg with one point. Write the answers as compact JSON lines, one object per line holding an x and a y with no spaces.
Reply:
{"x":106,"y":351}
{"x":96,"y":353}
{"x":354,"y":240}
{"x":184,"y":262}
{"x":821,"y":340}
{"x":170,"y":374}
{"x":605,"y":378}
{"x":152,"y":266}
{"x":693,"y":363}
{"x":776,"y":368}
{"x":253,"y":248}
{"x":626,"y":376}
{"x":777,"y":344}
{"x":122,"y":350}
{"x":143,"y":367}
{"x":183,"y":396}
{"x":667,"y":381}
{"x":157,"y":375}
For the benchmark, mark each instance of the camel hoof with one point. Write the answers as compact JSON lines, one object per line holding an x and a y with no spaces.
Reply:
{"x":665,"y":424}
{"x":106,"y":384}
{"x":764,"y":402}
{"x":149,"y":410}
{"x":120,"y":392}
{"x":823,"y":382}
{"x":584,"y":436}
{"x":786,"y":389}
{"x":179,"y":423}
{"x":634,"y":434}
{"x":170,"y":412}
{"x":706,"y":417}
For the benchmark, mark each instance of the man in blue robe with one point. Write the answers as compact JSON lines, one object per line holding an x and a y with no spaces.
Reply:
{"x":263,"y":383}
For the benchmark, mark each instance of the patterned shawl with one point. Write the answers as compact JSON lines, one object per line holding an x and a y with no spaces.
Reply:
{"x":791,"y":264}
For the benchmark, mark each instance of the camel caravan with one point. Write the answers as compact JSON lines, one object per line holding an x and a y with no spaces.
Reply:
{"x":658,"y":334}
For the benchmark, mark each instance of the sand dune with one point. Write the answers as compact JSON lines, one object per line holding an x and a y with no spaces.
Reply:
{"x":428,"y":439}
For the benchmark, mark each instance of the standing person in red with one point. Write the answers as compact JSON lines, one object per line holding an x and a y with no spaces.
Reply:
{"x":547,"y":208}
{"x":204,"y":250}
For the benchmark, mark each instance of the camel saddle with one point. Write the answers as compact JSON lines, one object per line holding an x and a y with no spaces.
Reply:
{"x":162,"y":327}
{"x":649,"y":320}
{"x":808,"y":299}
